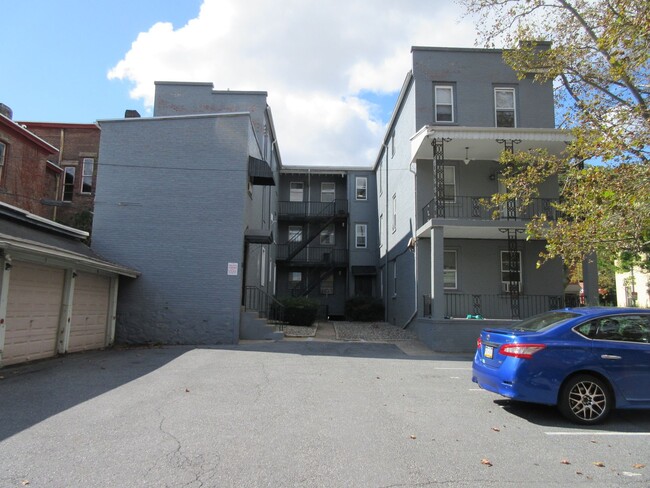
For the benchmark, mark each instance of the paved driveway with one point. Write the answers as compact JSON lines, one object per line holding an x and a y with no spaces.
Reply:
{"x":296,"y":413}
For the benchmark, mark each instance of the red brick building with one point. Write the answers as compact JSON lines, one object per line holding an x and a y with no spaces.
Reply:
{"x":78,"y":146}
{"x":30,"y":177}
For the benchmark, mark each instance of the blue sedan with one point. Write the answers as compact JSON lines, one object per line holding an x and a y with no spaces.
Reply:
{"x":586,"y":361}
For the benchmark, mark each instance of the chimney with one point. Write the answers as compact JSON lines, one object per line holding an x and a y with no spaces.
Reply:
{"x":131,"y":114}
{"x":6,"y":111}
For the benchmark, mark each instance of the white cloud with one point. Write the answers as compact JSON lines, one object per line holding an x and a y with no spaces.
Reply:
{"x":315,"y":59}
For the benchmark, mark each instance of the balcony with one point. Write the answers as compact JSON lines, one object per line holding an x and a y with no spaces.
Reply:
{"x":474,"y":208}
{"x":300,"y":211}
{"x":461,"y":305}
{"x":313,"y":256}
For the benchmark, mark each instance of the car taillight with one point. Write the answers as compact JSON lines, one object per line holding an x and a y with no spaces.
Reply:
{"x":478,"y":342}
{"x":524,"y":351}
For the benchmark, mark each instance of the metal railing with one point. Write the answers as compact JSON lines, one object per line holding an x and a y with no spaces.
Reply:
{"x":480,"y":208}
{"x":257,"y":300}
{"x":312,"y":209}
{"x":459,"y":305}
{"x":313,"y":255}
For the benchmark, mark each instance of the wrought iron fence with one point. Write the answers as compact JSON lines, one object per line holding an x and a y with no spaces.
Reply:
{"x":257,"y":300}
{"x":460,"y":305}
{"x":478,"y":208}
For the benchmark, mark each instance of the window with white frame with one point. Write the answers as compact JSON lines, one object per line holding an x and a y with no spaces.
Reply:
{"x":362,"y":188}
{"x":68,"y":183}
{"x":327,"y":236}
{"x":504,"y":104}
{"x":327,"y":191}
{"x":361,"y":235}
{"x":444,"y":102}
{"x":450,"y":183}
{"x":450,"y":270}
{"x":296,"y":191}
{"x":3,"y":152}
{"x":394,"y":223}
{"x":87,"y":168}
{"x":295,"y":233}
{"x":295,"y":277}
{"x":327,"y":285}
{"x":510,"y":270}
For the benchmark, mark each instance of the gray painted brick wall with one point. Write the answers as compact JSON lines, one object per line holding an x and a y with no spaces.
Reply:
{"x":170,"y":202}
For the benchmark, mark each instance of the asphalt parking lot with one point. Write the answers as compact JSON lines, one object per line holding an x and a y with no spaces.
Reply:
{"x":302,"y":413}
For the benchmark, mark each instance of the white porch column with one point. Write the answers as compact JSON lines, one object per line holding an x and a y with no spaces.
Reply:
{"x":438,"y":304}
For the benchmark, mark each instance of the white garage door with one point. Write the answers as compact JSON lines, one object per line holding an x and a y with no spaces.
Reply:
{"x":33,"y":308}
{"x":89,"y":312}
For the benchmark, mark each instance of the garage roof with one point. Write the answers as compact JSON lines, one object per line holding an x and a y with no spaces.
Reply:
{"x":29,"y":235}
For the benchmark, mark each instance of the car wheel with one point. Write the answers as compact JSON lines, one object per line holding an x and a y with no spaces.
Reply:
{"x":585,"y":399}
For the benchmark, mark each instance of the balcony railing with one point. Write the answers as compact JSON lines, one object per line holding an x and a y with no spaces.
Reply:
{"x":314,"y":255}
{"x":323,"y":210}
{"x":460,"y":305}
{"x":474,"y":208}
{"x":257,"y":300}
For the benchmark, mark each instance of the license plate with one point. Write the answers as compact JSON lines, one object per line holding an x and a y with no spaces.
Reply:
{"x":489,"y":352}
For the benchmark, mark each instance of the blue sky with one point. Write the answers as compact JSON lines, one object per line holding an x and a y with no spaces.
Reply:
{"x":332,"y":69}
{"x":58,"y":53}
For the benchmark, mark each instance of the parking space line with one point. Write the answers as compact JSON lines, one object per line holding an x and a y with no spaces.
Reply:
{"x":606,"y":433}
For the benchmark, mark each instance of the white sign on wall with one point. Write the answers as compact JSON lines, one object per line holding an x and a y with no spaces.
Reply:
{"x":233,"y":269}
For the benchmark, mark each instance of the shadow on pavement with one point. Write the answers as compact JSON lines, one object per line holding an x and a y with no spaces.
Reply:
{"x":549,"y":416}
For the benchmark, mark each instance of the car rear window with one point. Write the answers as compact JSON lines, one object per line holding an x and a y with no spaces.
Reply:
{"x":544,"y":321}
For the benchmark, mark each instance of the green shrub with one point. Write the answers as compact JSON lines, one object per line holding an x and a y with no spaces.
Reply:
{"x":300,"y":311}
{"x":364,"y":309}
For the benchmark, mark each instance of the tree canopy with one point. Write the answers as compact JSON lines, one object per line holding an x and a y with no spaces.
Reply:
{"x":599,"y":63}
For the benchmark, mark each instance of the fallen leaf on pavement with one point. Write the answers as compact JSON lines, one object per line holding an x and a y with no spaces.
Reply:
{"x":565,"y":461}
{"x":599,"y":464}
{"x":24,"y":482}
{"x":187,"y":390}
{"x":496,"y":429}
{"x":413,"y":436}
{"x":638,"y":466}
{"x":486,"y":462}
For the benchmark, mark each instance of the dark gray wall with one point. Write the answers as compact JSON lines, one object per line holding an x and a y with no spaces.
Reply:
{"x":170,"y":202}
{"x":474,"y":73}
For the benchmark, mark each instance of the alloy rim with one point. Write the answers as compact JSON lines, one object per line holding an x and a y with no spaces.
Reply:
{"x":587,"y":400}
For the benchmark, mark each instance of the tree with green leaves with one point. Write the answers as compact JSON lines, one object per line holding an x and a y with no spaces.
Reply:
{"x":599,"y":62}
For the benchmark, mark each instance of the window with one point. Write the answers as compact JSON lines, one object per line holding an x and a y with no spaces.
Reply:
{"x":295,"y":191}
{"x":295,"y":233}
{"x":87,"y":168}
{"x":510,"y":271}
{"x":3,"y":152}
{"x":394,"y":224}
{"x":327,"y":192}
{"x":627,"y":328}
{"x":381,"y":230}
{"x":362,"y":188}
{"x":504,"y":103}
{"x":68,"y":183}
{"x":295,"y":277}
{"x":327,"y":285}
{"x":450,"y":270}
{"x":327,"y":236}
{"x":361,"y":233}
{"x":450,"y":183}
{"x":444,"y":103}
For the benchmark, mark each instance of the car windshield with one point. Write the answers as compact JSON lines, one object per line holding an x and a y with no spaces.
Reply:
{"x":543,"y":321}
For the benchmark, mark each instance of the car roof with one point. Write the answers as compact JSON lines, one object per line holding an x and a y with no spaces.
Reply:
{"x":601,"y":311}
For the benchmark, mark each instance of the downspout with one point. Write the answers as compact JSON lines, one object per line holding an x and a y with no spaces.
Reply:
{"x":415,"y":254}
{"x":386,"y":227}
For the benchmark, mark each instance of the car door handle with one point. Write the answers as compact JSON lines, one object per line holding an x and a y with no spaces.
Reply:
{"x":610,"y":356}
